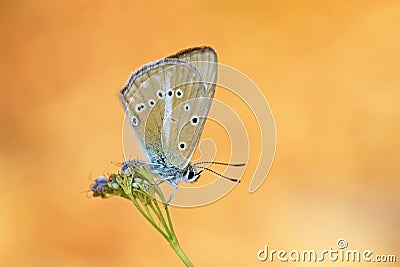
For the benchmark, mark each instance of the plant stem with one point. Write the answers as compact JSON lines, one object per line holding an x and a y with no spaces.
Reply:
{"x":160,"y":217}
{"x":150,"y":220}
{"x":171,"y":227}
{"x":178,"y":250}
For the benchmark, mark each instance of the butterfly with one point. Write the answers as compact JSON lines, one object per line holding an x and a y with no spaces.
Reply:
{"x":167,"y":102}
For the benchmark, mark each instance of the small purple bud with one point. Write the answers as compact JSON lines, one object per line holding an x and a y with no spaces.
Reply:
{"x":93,"y":187}
{"x":100,"y":183}
{"x":125,"y":167}
{"x":101,"y":180}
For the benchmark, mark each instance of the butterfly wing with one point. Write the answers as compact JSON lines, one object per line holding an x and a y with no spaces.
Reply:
{"x":167,"y":102}
{"x":191,"y":110}
{"x":147,"y":101}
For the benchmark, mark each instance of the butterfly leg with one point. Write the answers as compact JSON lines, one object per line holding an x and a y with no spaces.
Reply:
{"x":173,"y":193}
{"x":160,"y":181}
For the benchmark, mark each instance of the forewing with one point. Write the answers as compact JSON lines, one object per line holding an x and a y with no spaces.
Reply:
{"x":147,"y":102}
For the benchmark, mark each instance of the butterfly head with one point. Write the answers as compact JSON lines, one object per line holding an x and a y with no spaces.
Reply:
{"x":191,"y":175}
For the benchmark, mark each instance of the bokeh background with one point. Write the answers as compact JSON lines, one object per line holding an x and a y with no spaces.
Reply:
{"x":330,"y":72}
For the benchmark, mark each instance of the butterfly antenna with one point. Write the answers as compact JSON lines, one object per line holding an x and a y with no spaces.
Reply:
{"x":223,"y":176}
{"x":221,"y":163}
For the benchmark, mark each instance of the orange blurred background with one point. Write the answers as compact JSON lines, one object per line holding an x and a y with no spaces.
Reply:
{"x":329,"y":69}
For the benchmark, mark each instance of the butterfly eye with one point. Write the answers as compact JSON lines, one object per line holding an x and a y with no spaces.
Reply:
{"x":135,"y":120}
{"x":160,"y":94}
{"x":182,"y":145}
{"x":170,"y":92}
{"x":140,"y":107}
{"x":152,"y":102}
{"x":191,"y":176}
{"x":194,"y":120}
{"x":179,"y":93}
{"x":187,"y":107}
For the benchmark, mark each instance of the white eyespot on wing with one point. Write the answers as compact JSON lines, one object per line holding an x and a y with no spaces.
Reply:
{"x":160,"y":94}
{"x":140,"y":107}
{"x":182,"y":145}
{"x":186,"y":107}
{"x":169,"y":93}
{"x":134,"y":120}
{"x":179,"y":93}
{"x":194,"y":120}
{"x":152,"y":102}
